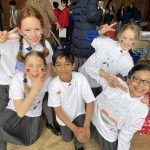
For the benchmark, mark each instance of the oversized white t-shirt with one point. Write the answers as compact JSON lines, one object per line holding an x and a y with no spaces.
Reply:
{"x":117,"y":115}
{"x":8,"y":53}
{"x":108,"y":56}
{"x":17,"y":91}
{"x":70,"y":96}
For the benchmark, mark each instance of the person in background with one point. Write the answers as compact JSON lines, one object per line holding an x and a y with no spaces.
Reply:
{"x":57,"y":13}
{"x":117,"y":114}
{"x":46,"y":10}
{"x":126,"y":18}
{"x":120,"y":14}
{"x":69,"y":93}
{"x":109,"y":14}
{"x":86,"y":16}
{"x":13,"y":14}
{"x":64,"y":16}
{"x":20,"y":121}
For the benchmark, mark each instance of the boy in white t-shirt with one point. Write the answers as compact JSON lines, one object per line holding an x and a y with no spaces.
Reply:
{"x":68,"y":93}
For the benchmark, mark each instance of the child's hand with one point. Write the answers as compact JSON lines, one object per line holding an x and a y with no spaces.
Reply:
{"x":87,"y":134}
{"x":145,"y":100}
{"x":5,"y":35}
{"x":80,"y":134}
{"x":37,"y":83}
{"x":57,"y":26}
{"x":114,"y":83}
{"x":105,"y":28}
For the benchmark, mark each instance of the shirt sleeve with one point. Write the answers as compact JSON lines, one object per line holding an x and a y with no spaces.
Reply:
{"x":95,"y":66}
{"x":127,"y":131}
{"x":16,"y":90}
{"x":98,"y":43}
{"x":87,"y":93}
{"x":49,"y":57}
{"x":54,"y":95}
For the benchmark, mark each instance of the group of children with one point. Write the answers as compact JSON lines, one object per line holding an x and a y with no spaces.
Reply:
{"x":25,"y":76}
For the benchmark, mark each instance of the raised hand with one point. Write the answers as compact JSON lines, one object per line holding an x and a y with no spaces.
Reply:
{"x":37,"y":82}
{"x":5,"y":35}
{"x":105,"y":28}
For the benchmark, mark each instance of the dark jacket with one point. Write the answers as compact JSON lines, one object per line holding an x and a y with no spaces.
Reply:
{"x":86,"y":15}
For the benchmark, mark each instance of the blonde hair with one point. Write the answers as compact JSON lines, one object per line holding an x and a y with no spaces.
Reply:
{"x":37,"y":54}
{"x":133,"y":27}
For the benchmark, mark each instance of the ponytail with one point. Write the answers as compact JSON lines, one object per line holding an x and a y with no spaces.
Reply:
{"x":20,"y":56}
{"x":45,"y":49}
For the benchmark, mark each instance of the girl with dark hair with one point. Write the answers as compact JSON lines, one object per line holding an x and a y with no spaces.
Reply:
{"x":20,"y":121}
{"x":117,"y":114}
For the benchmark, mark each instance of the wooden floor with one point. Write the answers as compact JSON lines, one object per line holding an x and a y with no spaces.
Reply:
{"x":49,"y":141}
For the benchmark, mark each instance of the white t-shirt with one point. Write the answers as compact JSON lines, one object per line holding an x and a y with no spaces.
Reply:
{"x":17,"y":91}
{"x":116,"y":115}
{"x":8,"y":53}
{"x":70,"y":96}
{"x":108,"y":56}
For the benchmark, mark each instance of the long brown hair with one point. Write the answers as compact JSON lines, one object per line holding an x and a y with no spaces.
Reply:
{"x":26,"y":12}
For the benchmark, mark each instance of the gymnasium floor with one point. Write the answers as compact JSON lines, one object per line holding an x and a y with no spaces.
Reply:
{"x":49,"y":141}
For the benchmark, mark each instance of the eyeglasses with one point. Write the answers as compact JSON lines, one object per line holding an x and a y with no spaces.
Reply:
{"x":139,"y":80}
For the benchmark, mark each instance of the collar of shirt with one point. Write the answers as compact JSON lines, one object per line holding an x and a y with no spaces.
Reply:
{"x":37,"y":47}
{"x":121,"y":51}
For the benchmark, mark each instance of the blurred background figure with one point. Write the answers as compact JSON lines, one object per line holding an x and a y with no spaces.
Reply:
{"x":120,"y":14}
{"x":57,"y":13}
{"x":13,"y":14}
{"x":86,"y":16}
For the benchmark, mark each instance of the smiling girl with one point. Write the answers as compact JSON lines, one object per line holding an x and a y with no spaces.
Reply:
{"x":117,"y":114}
{"x":30,"y":27}
{"x":20,"y":121}
{"x":111,"y":57}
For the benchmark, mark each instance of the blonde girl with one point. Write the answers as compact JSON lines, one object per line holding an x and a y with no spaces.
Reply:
{"x":20,"y":121}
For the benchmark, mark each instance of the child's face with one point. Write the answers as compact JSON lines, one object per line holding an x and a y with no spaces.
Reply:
{"x":63,"y":68}
{"x":127,"y":40}
{"x":139,"y":83}
{"x":31,"y":30}
{"x":34,"y":67}
{"x":63,"y":4}
{"x":12,"y":7}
